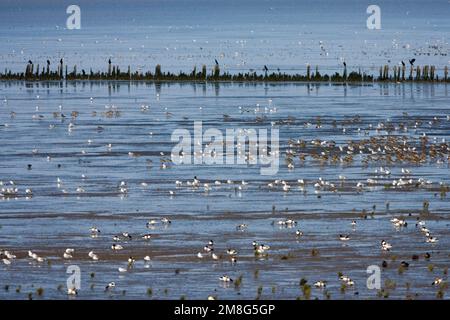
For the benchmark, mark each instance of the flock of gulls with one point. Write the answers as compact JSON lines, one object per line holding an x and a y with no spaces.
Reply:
{"x":388,"y":142}
{"x":260,"y":250}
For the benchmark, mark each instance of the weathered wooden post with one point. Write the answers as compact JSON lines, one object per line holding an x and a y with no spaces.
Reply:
{"x":446,"y":73}
{"x":395,"y":73}
{"x":158,"y":72}
{"x":411,"y":72}
{"x":432,"y":71}
{"x":403,"y":72}
{"x":61,"y":62}
{"x":203,"y":71}
{"x":109,"y":68}
{"x":216,"y":71}
{"x":418,"y":73}
{"x":425,"y":73}
{"x":386,"y":72}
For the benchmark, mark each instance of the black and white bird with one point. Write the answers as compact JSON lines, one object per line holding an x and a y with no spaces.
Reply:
{"x":110,"y":286}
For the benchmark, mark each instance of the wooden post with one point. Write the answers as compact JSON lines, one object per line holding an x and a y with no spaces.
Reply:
{"x":418,"y":73}
{"x":432,"y":71}
{"x":203,"y":71}
{"x":308,"y":72}
{"x":61,"y":63}
{"x":403,"y":72}
{"x":446,"y":73}
{"x":425,"y":72}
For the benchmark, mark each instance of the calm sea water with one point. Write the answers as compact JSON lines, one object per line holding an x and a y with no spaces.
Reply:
{"x":140,"y":118}
{"x":51,"y":221}
{"x":241,"y":35}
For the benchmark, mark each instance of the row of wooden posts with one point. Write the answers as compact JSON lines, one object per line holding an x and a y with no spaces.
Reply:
{"x":386,"y":73}
{"x":425,"y":73}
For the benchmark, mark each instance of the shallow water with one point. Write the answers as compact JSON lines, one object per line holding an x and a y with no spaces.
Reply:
{"x":51,"y":221}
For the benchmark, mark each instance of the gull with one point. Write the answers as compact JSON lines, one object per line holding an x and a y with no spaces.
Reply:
{"x":320,"y":284}
{"x":166,"y":221}
{"x":437,"y":281}
{"x":152,"y":222}
{"x":116,"y":247}
{"x":127,"y":235}
{"x":67,"y":256}
{"x":6,"y":261}
{"x":232,"y":252}
{"x":72,"y":291}
{"x":94,"y":230}
{"x":298,"y":233}
{"x":147,"y":258}
{"x":225,"y":278}
{"x":260,"y":248}
{"x":347,"y":280}
{"x":93,"y":256}
{"x":80,"y":190}
{"x":385,"y":245}
{"x":8,"y":255}
{"x":122,"y":269}
{"x":431,"y":239}
{"x":420,"y":223}
{"x":344,"y":237}
{"x":241,"y":227}
{"x":110,"y":285}
{"x":32,"y":255}
{"x":200,"y":255}
{"x":287,"y":222}
{"x":424,"y":229}
{"x":214,"y":256}
{"x":146,"y":236}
